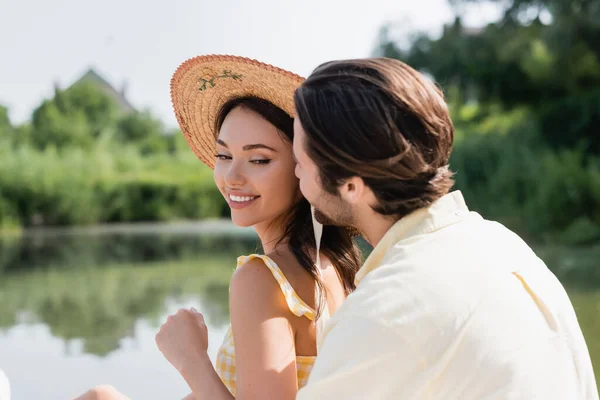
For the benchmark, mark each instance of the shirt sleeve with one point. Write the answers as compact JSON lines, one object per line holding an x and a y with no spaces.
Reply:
{"x":361,"y":359}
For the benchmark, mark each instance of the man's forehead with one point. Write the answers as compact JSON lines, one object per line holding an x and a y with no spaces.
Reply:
{"x":298,"y":131}
{"x":298,"y":125}
{"x":297,"y":140}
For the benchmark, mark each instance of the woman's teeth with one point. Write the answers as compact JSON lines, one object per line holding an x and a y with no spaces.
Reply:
{"x":241,"y":199}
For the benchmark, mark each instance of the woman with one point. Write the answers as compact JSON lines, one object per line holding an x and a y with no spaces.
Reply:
{"x":237,"y":116}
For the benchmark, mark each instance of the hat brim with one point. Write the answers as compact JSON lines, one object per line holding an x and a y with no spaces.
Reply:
{"x":201,"y":86}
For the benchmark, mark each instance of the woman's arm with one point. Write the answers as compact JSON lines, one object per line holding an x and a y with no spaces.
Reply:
{"x":264,"y":339}
{"x":264,"y":342}
{"x":202,"y":378}
{"x":183,"y":340}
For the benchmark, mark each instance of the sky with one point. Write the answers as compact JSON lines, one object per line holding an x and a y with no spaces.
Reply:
{"x":141,"y":43}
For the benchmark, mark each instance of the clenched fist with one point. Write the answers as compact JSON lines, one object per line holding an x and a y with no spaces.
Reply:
{"x":183,"y":338}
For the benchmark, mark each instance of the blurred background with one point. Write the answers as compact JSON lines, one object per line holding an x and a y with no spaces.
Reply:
{"x":108,"y":222}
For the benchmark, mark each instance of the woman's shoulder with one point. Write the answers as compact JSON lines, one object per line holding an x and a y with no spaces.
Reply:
{"x":253,"y":287}
{"x":278,"y":274}
{"x":252,"y":272}
{"x":282,"y":265}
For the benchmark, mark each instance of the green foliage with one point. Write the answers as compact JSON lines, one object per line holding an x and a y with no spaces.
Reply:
{"x":84,"y":114}
{"x":83,"y":159}
{"x":524,"y":154}
{"x":54,"y":127}
{"x":84,"y":97}
{"x":550,"y":67}
{"x":144,"y":130}
{"x":524,"y":98}
{"x":105,"y":184}
{"x":540,"y":193}
{"x":5,"y":125}
{"x":101,"y":305}
{"x":573,"y":122}
{"x":160,"y":197}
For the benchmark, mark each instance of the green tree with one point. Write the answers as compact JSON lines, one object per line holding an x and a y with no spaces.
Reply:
{"x":51,"y":126}
{"x":100,"y":110}
{"x":177,"y":142}
{"x":75,"y":116}
{"x":572,"y":21}
{"x":551,"y":65}
{"x":144,"y":130}
{"x":5,"y":125}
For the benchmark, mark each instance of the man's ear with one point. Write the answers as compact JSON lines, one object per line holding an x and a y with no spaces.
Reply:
{"x":353,"y":190}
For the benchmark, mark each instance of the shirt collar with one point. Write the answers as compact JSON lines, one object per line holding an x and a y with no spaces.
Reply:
{"x":446,"y":211}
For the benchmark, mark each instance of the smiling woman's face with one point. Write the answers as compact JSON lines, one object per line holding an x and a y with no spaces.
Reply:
{"x":254,"y":169}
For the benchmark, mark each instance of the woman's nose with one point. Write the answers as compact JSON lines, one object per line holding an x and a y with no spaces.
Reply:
{"x":234,"y":177}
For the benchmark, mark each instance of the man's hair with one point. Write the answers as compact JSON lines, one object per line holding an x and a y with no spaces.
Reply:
{"x":382,"y":121}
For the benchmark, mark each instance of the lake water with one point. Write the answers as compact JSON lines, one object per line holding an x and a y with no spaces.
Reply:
{"x":81,"y":307}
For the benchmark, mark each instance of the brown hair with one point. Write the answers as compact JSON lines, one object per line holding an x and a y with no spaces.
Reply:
{"x":380,"y":120}
{"x":336,"y":243}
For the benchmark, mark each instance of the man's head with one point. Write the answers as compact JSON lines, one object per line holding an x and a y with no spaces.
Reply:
{"x":371,"y":132}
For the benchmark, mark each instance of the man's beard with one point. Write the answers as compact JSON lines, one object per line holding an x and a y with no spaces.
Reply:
{"x":340,"y":216}
{"x":322,"y":218}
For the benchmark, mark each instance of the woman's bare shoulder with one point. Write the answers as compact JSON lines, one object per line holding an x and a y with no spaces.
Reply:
{"x":253,"y":289}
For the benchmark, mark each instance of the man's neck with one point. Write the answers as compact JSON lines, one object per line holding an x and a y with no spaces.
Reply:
{"x":374,"y":226}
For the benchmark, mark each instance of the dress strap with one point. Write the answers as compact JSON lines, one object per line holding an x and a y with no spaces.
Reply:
{"x":297,"y":306}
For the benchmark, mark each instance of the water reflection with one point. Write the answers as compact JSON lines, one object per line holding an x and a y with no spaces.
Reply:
{"x":69,"y":295}
{"x":87,"y":292}
{"x":94,"y":247}
{"x":41,"y":365}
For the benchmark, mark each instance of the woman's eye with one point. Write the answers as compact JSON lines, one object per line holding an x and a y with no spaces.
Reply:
{"x":260,"y":162}
{"x":223,"y":157}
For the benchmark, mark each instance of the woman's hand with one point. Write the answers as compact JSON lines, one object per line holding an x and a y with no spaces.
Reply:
{"x":183,"y":339}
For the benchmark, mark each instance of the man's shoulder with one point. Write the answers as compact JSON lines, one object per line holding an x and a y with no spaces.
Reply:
{"x":395,"y":296}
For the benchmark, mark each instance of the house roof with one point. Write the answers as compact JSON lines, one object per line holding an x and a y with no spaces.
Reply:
{"x":119,"y":96}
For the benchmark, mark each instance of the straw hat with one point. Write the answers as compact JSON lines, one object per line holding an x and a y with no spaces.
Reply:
{"x":202,"y":85}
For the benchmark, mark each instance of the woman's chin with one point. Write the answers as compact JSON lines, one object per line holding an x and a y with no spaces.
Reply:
{"x":242,"y":222}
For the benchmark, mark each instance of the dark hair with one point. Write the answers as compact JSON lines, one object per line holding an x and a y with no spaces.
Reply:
{"x":336,"y":242}
{"x":382,"y":121}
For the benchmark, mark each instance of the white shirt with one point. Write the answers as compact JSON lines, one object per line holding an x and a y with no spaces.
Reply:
{"x":451,"y":306}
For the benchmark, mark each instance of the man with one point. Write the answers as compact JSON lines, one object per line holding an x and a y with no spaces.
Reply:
{"x":448,"y":305}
